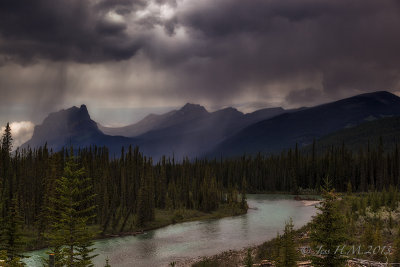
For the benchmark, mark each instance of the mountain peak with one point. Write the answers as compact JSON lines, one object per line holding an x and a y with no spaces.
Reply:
{"x":189,"y":107}
{"x":60,"y":127}
{"x":229,"y":111}
{"x":71,"y":114}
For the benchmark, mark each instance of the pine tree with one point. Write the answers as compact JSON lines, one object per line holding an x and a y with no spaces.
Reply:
{"x":277,"y":248}
{"x":328,"y":230}
{"x":141,"y":217}
{"x":13,"y":232}
{"x":11,"y":236}
{"x":85,"y":250}
{"x":72,"y":208}
{"x":288,"y":254}
{"x":368,"y":235}
{"x":248,"y":260}
{"x":7,"y":262}
{"x":396,"y":246}
{"x":7,"y":139}
{"x":378,"y":255}
{"x":145,"y":202}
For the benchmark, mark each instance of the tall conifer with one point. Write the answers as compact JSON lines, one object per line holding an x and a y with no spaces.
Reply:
{"x":328,"y":230}
{"x":71,"y":214}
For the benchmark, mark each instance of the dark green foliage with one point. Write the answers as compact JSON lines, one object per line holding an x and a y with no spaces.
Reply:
{"x":12,"y":235}
{"x":386,"y":130}
{"x":71,"y":213}
{"x":288,"y":254}
{"x":328,"y":231}
{"x":396,"y":247}
{"x":248,"y":260}
{"x":7,"y":262}
{"x":11,"y":221}
{"x":6,"y":143}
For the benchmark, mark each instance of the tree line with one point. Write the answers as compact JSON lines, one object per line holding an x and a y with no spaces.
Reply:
{"x":64,"y":199}
{"x":123,"y":192}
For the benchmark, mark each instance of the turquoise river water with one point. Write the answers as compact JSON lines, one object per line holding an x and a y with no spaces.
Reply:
{"x":266,"y":216}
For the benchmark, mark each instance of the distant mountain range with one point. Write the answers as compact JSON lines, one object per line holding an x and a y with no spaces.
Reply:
{"x":192,"y":131}
{"x":302,"y":127}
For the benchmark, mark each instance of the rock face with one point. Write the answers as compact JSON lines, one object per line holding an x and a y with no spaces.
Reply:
{"x":74,"y":127}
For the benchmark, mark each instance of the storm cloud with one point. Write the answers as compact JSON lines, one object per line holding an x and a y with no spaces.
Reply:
{"x":133,"y":53}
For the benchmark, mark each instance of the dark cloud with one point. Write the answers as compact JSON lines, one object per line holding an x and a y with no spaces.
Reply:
{"x":352,"y":45}
{"x":60,"y":30}
{"x":220,"y":52}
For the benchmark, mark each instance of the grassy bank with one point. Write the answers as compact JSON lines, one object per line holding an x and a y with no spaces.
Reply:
{"x":259,"y":252}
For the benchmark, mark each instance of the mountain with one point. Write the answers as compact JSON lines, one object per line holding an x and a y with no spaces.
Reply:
{"x":284,"y":131}
{"x":189,"y":113}
{"x":186,"y":114}
{"x":189,"y":131}
{"x":192,"y":131}
{"x":74,"y":126}
{"x":386,"y":130}
{"x":200,"y":135}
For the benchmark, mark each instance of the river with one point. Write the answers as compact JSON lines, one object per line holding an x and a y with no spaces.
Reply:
{"x":266,"y":216}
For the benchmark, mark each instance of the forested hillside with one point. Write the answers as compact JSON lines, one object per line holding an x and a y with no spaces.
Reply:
{"x":302,"y":127}
{"x":386,"y":130}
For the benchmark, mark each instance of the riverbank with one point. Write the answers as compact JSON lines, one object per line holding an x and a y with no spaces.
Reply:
{"x":163,"y":218}
{"x":236,"y":257}
{"x":259,"y":253}
{"x":370,"y":218}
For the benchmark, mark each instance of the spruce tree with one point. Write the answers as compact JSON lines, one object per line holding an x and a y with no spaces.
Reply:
{"x":11,"y":223}
{"x":288,"y":253}
{"x":378,"y":255}
{"x":328,"y":230}
{"x":7,"y":139}
{"x":13,"y":233}
{"x":145,"y":202}
{"x":141,"y":216}
{"x":277,"y":248}
{"x":71,"y":214}
{"x":396,"y":246}
{"x":248,"y":260}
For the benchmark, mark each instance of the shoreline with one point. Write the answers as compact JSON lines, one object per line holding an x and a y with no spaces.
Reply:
{"x":308,"y":203}
{"x":235,"y":257}
{"x":222,"y":212}
{"x":217,"y":214}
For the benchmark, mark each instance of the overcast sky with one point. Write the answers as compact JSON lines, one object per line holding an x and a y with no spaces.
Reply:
{"x":126,"y":58}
